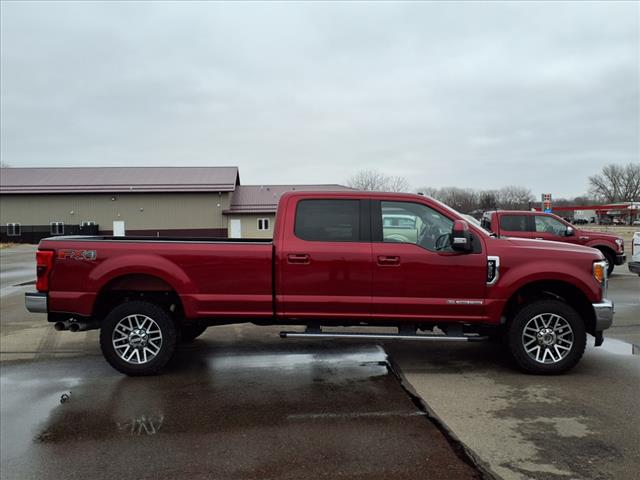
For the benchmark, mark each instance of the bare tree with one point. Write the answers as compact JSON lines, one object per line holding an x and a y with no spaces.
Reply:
{"x":513,"y":197}
{"x":398,"y":184}
{"x":487,"y":200}
{"x":465,"y":200}
{"x":468,"y":200}
{"x":617,"y":183}
{"x":372,"y":180}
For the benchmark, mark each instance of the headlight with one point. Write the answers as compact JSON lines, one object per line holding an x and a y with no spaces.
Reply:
{"x":600,"y":272}
{"x":620,"y":243}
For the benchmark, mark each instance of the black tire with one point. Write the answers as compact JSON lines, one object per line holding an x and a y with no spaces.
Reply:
{"x":188,"y":333}
{"x":539,"y":311}
{"x":611,"y":261}
{"x":161,"y":322}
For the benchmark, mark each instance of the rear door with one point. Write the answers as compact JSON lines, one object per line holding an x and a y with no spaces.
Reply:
{"x":412,"y":279}
{"x":516,"y":225}
{"x":324,"y":266}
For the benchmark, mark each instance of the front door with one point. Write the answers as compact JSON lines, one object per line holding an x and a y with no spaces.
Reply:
{"x":549,"y":228}
{"x":415,"y":279}
{"x":235,"y":228}
{"x":516,"y":225}
{"x":118,"y":228}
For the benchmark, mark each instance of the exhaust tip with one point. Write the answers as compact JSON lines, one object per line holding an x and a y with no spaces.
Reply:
{"x":59,"y":326}
{"x":74,"y":327}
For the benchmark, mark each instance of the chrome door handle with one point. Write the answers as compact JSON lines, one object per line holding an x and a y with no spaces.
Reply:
{"x":388,"y":260}
{"x":298,"y":258}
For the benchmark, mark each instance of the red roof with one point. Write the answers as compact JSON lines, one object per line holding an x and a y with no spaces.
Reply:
{"x":118,"y":179}
{"x":264,"y":198}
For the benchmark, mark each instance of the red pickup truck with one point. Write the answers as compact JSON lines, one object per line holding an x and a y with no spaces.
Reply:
{"x":546,"y":226}
{"x":336,"y":259}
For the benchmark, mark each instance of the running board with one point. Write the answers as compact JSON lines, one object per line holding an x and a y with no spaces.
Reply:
{"x":385,"y":336}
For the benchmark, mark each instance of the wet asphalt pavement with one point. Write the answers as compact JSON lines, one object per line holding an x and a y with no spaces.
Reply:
{"x":242,"y":411}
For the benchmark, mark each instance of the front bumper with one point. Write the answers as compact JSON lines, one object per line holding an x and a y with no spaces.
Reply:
{"x":621,"y":258}
{"x":36,"y":302}
{"x":634,"y":267}
{"x":604,"y":314}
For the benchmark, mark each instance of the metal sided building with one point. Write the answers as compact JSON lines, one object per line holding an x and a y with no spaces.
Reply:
{"x":160,"y":201}
{"x":36,"y":203}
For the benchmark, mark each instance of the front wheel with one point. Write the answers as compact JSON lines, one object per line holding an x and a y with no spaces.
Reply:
{"x":138,"y":338}
{"x":547,"y":337}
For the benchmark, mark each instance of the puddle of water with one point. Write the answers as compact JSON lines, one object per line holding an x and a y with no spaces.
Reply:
{"x":619,"y":347}
{"x":372,"y":356}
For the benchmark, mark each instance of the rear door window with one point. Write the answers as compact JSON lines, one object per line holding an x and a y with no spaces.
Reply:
{"x":328,"y":220}
{"x":515,"y":223}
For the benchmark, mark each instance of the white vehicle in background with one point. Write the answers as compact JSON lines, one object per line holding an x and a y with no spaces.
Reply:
{"x":634,"y":261}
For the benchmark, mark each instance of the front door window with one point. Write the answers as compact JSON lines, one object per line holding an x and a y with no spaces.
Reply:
{"x":406,"y":222}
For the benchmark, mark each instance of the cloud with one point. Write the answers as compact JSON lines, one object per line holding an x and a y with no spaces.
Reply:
{"x":468,"y":94}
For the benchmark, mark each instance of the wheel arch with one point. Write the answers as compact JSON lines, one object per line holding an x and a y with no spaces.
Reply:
{"x":137,"y":286}
{"x":558,"y":289}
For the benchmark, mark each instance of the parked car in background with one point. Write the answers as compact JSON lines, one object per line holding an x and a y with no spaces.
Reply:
{"x":636,"y":222}
{"x":546,"y":226}
{"x":337,"y":258}
{"x":634,"y":262}
{"x":606,"y":221}
{"x":580,"y":221}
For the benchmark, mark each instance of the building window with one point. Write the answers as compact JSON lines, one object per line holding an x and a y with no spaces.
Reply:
{"x":90,"y":223}
{"x":13,"y":230}
{"x":57,"y":228}
{"x":263,"y":224}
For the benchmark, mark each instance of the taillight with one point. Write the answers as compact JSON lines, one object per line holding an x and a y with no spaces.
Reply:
{"x":44,"y":265}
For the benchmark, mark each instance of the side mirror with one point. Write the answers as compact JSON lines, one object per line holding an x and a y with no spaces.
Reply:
{"x":569,"y":232}
{"x":461,"y":237}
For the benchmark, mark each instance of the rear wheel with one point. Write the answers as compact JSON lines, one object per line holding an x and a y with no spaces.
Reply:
{"x":138,"y":338}
{"x":547,"y":337}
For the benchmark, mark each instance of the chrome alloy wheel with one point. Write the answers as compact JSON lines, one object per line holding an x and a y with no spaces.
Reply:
{"x":137,"y":339}
{"x":547,"y":338}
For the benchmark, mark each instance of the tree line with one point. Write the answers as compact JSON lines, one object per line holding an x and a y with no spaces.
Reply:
{"x":615,"y":183}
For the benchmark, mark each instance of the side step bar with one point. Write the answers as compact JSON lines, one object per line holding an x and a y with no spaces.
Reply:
{"x":385,"y":336}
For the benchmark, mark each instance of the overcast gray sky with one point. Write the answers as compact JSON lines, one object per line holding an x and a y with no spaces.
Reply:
{"x":471,"y":94}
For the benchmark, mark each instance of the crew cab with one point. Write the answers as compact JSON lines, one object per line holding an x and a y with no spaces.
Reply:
{"x":546,"y":226}
{"x":336,"y":259}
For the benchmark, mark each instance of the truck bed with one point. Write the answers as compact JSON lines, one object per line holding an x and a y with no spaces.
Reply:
{"x":213,"y":277}
{"x":92,"y":238}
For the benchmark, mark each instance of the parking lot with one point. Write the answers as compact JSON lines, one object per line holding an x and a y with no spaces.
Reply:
{"x":242,"y":403}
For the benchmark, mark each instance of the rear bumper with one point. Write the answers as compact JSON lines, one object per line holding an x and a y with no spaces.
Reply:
{"x":634,"y":267}
{"x":36,"y":302}
{"x":620,"y":259}
{"x":604,"y":314}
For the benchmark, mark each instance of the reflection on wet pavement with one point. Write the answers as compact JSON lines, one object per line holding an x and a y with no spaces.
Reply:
{"x":274,"y":411}
{"x":619,"y":347}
